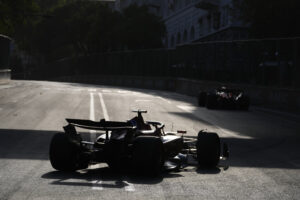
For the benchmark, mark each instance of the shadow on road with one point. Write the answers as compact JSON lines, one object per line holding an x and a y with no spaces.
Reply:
{"x":25,"y":144}
{"x":256,"y":152}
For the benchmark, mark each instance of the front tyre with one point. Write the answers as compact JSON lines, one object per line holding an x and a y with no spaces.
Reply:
{"x":64,"y":154}
{"x":208,"y":149}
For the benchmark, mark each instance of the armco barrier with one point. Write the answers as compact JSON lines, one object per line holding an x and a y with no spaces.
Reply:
{"x":287,"y":99}
{"x":5,"y":75}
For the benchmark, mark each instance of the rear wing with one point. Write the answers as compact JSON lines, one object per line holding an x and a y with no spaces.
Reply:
{"x":102,"y":125}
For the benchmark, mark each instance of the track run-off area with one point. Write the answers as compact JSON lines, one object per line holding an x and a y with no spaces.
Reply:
{"x":264,"y":146}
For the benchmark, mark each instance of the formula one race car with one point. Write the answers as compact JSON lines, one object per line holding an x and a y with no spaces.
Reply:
{"x":224,"y":98}
{"x":143,"y":147}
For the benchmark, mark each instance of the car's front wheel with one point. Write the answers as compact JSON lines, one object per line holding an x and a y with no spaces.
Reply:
{"x":208,"y":149}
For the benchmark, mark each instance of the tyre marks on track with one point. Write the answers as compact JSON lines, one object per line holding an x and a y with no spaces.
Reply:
{"x":92,"y":116}
{"x":97,"y":184}
{"x":104,"y":110}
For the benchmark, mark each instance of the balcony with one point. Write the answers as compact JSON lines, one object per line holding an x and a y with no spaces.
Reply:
{"x":208,"y":4}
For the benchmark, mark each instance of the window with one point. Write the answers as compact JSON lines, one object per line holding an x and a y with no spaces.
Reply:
{"x":208,"y":17}
{"x":192,"y":33}
{"x":178,"y":38}
{"x":225,"y":15}
{"x":185,"y":36}
{"x":200,"y":22}
{"x":172,"y":41}
{"x":216,"y":20}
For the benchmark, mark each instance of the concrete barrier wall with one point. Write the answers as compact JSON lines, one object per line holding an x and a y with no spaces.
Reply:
{"x":4,"y":59}
{"x":5,"y":75}
{"x":287,"y":99}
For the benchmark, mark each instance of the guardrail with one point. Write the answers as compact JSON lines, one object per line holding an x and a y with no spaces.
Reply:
{"x":5,"y":75}
{"x":271,"y":63}
{"x":287,"y":99}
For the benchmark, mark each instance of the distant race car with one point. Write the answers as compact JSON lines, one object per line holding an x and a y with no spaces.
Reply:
{"x":136,"y":145}
{"x":224,"y":98}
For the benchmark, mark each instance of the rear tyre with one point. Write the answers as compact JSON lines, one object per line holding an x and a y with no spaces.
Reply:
{"x":64,"y":154}
{"x":148,"y":155}
{"x":113,"y":152}
{"x":244,"y":103}
{"x":211,"y":101}
{"x":202,"y":99}
{"x":208,"y":149}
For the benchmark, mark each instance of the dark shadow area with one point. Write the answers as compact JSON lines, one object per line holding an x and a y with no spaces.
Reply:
{"x":201,"y":170}
{"x":258,"y":152}
{"x":204,"y":170}
{"x":25,"y":144}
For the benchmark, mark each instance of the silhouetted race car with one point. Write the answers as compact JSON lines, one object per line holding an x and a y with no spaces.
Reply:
{"x":224,"y":98}
{"x":136,"y":145}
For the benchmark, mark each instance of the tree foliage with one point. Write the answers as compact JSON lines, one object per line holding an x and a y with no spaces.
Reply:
{"x":271,"y":18}
{"x":62,"y":28}
{"x":14,"y":14}
{"x":142,"y":29}
{"x":17,"y":18}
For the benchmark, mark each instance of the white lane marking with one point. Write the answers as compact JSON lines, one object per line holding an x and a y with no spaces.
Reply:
{"x":164,"y":99}
{"x":186,"y":108}
{"x":92,"y":110}
{"x":142,"y":100}
{"x":129,"y":187}
{"x":6,"y":86}
{"x":92,"y":116}
{"x":77,"y":90}
{"x":123,"y":91}
{"x":92,"y":90}
{"x":106,"y":91}
{"x":228,"y":133}
{"x":103,"y":106}
{"x":96,"y":184}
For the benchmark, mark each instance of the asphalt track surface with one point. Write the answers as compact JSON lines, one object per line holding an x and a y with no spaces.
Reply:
{"x":264,"y":147}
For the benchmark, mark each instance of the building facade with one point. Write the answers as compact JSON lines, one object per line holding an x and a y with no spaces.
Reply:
{"x":189,"y":21}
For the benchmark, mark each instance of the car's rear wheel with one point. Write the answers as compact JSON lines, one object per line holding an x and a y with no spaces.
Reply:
{"x":211,"y":101}
{"x":64,"y":154}
{"x":148,"y":155}
{"x":244,"y":103}
{"x":114,"y":152}
{"x":208,"y":149}
{"x":202,"y":98}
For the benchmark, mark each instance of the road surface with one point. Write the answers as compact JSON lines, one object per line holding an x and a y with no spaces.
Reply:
{"x":264,"y":147}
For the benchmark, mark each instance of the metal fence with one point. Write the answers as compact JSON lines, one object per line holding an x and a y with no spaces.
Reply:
{"x":4,"y":51}
{"x":271,"y":62}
